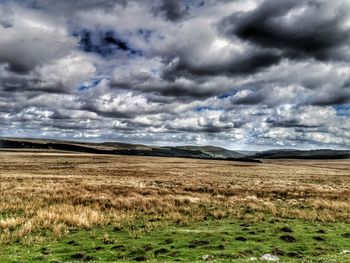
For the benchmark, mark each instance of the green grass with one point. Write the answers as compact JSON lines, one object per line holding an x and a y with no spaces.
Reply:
{"x":222,"y":240}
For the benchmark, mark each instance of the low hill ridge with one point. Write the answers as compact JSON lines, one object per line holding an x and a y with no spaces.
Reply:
{"x":186,"y":151}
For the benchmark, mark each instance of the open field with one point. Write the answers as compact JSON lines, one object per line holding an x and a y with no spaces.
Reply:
{"x":68,"y":207}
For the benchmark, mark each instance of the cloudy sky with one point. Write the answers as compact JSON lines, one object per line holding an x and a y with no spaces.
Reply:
{"x":243,"y":74}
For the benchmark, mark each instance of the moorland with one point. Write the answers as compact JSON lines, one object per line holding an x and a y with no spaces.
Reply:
{"x":71,"y":207}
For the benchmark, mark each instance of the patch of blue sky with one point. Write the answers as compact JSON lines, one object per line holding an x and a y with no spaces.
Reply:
{"x":227,"y":95}
{"x":206,"y":108}
{"x":342,"y":110}
{"x":106,"y":43}
{"x":91,"y":83}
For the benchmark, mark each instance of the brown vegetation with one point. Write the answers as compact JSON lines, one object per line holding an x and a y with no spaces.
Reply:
{"x":57,"y":191}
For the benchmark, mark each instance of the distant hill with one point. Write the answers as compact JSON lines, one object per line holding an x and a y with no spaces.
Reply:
{"x":247,"y":153}
{"x":303,"y":154}
{"x":213,"y":151}
{"x":200,"y":152}
{"x":189,"y":151}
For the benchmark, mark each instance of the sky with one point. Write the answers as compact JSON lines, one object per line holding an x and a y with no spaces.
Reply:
{"x":242,"y":74}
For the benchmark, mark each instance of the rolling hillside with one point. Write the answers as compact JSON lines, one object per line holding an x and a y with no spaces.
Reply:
{"x":200,"y":152}
{"x":205,"y":152}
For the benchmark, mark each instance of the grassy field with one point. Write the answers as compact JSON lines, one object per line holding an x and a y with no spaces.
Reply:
{"x":58,"y":207}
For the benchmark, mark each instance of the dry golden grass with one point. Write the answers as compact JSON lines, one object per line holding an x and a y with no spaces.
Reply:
{"x":56,"y":191}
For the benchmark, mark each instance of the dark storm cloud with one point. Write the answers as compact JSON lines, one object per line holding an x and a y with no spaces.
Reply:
{"x":173,"y":10}
{"x":293,"y":123}
{"x":346,"y":84}
{"x":248,"y":63}
{"x":67,"y":6}
{"x":309,"y":28}
{"x":178,"y":90}
{"x":109,"y":114}
{"x":253,"y":98}
{"x":336,"y":98}
{"x":20,"y":84}
{"x":23,"y":55}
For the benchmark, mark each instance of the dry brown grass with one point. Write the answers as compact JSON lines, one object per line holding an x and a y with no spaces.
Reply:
{"x":60,"y":191}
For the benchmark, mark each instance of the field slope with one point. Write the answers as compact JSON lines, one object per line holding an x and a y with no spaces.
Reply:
{"x":62,"y":207}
